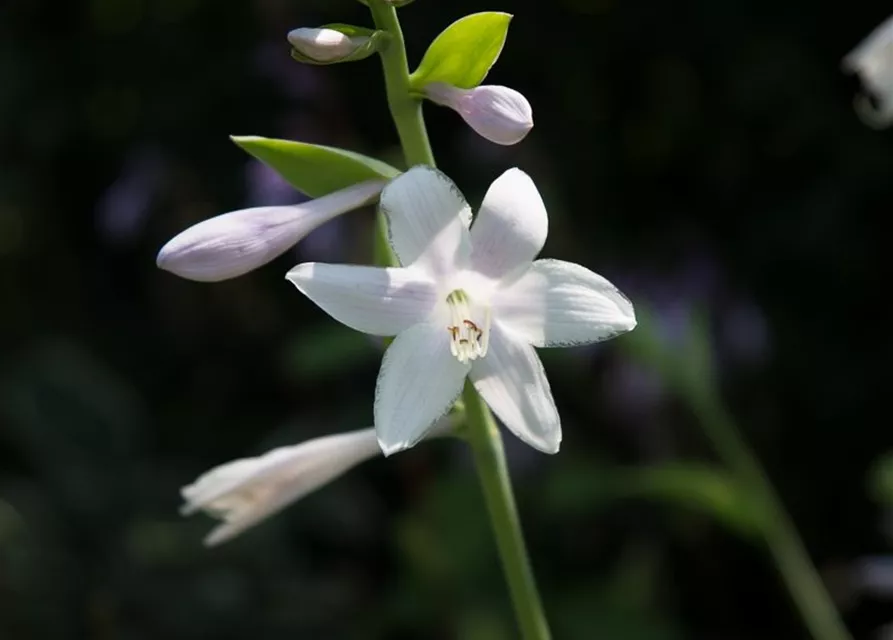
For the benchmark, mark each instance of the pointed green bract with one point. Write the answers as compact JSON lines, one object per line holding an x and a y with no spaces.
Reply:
{"x":464,"y":52}
{"x":314,"y":169}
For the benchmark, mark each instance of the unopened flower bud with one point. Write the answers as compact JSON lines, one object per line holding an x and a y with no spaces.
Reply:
{"x":232,"y":244}
{"x":872,"y":60}
{"x":324,"y":45}
{"x":499,"y":114}
{"x":246,"y":491}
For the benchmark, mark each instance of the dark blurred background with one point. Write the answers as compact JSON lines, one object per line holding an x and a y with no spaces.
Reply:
{"x":704,"y":155}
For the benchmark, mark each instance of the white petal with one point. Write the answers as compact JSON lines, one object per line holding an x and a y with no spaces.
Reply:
{"x":427,"y":221}
{"x":511,"y":226}
{"x":512,"y":381}
{"x":557,"y":303}
{"x":373,"y":300}
{"x":246,"y":491}
{"x":418,"y":383}
{"x":235,"y":243}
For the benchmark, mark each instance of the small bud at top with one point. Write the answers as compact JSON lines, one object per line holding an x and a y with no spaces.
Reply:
{"x":324,"y":45}
{"x":499,"y":114}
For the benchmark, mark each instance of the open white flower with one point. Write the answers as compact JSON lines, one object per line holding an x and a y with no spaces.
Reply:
{"x":234,"y":243}
{"x":467,"y":303}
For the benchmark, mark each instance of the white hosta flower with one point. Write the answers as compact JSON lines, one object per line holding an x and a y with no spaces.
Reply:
{"x":467,"y":303}
{"x":232,"y":244}
{"x":324,"y":45}
{"x":872,"y":60}
{"x":499,"y":114}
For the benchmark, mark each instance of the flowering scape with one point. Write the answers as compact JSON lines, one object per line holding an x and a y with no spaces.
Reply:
{"x":467,"y":301}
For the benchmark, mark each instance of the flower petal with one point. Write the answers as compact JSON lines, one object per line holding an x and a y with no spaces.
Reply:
{"x":245,"y":491}
{"x":557,"y":304}
{"x":373,"y":300}
{"x":511,"y":226}
{"x":418,"y":383}
{"x":232,"y":244}
{"x":512,"y":381}
{"x":428,"y":221}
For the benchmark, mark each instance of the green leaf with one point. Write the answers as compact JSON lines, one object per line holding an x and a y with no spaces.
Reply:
{"x":314,"y":169}
{"x":695,"y":486}
{"x":881,"y":479}
{"x":464,"y":52}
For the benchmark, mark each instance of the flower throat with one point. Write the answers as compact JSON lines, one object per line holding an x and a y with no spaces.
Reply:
{"x":468,"y":339}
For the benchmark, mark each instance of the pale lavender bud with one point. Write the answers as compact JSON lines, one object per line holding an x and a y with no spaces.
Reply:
{"x":872,"y":60}
{"x":324,"y":45}
{"x":499,"y":114}
{"x":232,"y":244}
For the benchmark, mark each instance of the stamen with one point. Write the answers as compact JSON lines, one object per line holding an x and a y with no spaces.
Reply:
{"x":468,"y":341}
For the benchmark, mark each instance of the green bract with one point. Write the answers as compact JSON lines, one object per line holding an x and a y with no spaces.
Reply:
{"x":369,"y":41}
{"x":464,"y":52}
{"x":314,"y":169}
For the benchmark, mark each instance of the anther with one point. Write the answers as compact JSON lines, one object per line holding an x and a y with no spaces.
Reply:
{"x":468,"y":341}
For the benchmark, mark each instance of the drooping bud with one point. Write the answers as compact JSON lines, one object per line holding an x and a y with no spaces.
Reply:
{"x":497,"y":113}
{"x":232,"y":244}
{"x":872,"y":60}
{"x":246,"y":491}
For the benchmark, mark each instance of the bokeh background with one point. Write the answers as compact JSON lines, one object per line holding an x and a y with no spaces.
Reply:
{"x":703,"y":155}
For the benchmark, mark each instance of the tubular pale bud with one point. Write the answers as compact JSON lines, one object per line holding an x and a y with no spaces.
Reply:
{"x":324,"y":45}
{"x":246,"y":491}
{"x":497,"y":113}
{"x":232,"y":244}
{"x":872,"y":61}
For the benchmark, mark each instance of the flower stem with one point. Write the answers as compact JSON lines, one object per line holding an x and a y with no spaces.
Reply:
{"x":483,"y":435}
{"x":489,"y":457}
{"x":406,"y":110}
{"x":800,"y":576}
